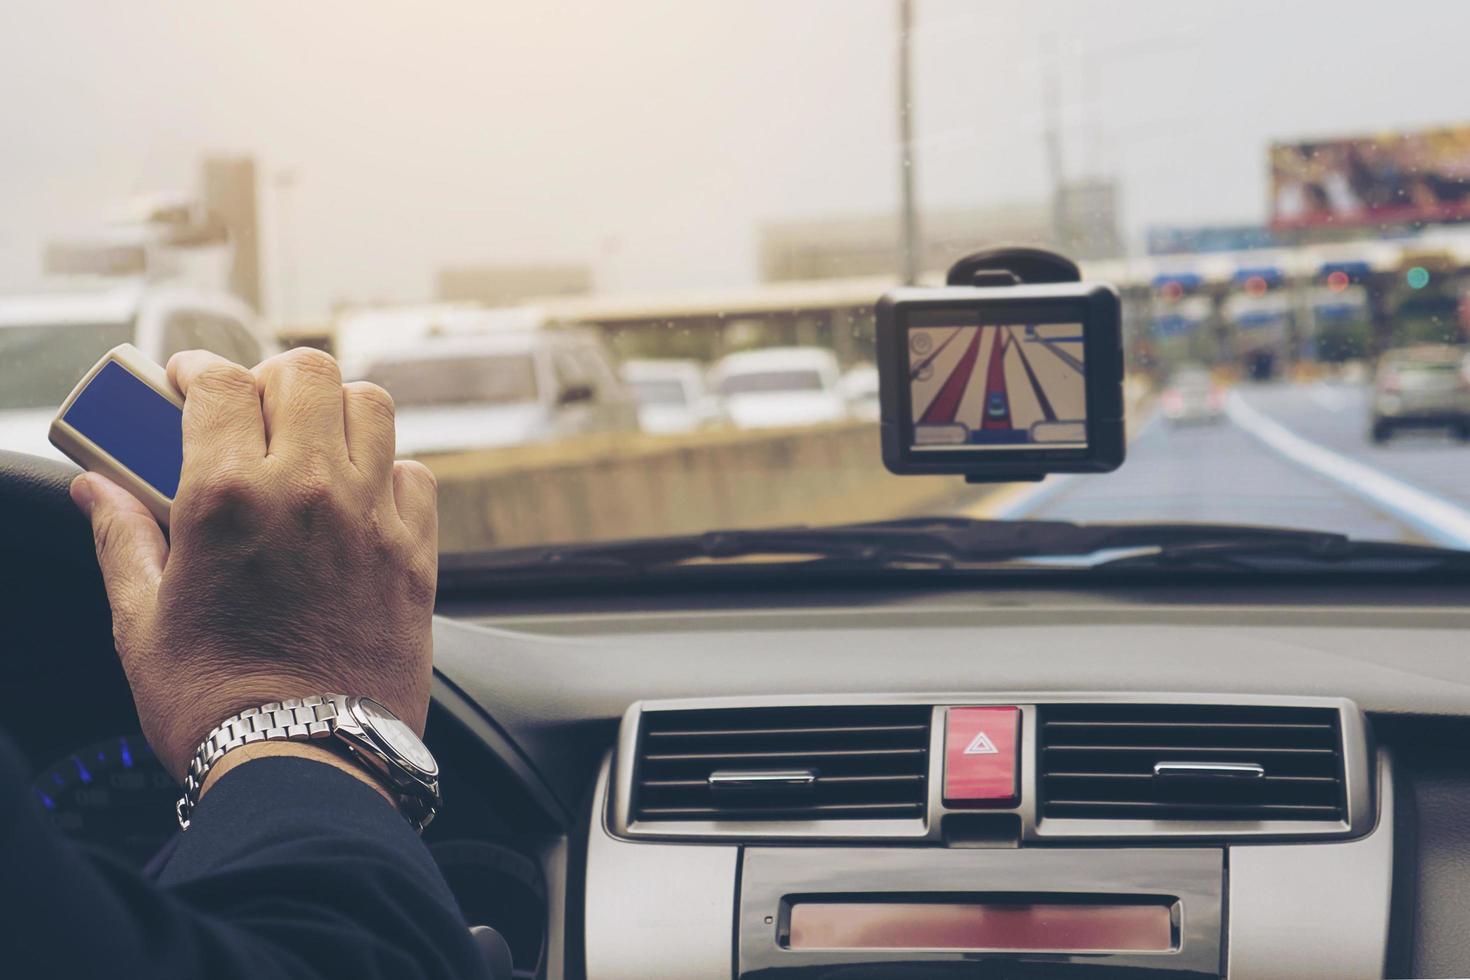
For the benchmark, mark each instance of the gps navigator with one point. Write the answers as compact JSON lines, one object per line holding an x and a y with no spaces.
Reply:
{"x":1001,"y":383}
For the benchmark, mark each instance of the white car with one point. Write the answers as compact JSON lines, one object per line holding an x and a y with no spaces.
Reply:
{"x":1192,"y":395}
{"x":781,"y":386}
{"x":48,"y":340}
{"x":860,"y":388}
{"x":672,"y":396}
{"x":505,"y":388}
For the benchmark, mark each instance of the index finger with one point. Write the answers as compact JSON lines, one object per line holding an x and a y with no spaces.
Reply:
{"x":221,"y":407}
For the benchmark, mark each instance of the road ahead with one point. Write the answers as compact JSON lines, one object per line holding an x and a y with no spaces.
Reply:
{"x":1292,"y":455}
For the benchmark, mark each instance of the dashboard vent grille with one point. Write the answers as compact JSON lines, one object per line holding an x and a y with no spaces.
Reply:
{"x":1191,"y":762}
{"x":790,"y":763}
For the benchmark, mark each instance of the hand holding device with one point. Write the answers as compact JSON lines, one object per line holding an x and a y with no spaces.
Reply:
{"x":301,"y":558}
{"x":998,"y":379}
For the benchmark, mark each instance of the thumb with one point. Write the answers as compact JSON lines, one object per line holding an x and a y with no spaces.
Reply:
{"x":130,"y":545}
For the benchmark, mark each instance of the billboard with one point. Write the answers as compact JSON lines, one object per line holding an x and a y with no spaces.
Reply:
{"x":1393,"y":178}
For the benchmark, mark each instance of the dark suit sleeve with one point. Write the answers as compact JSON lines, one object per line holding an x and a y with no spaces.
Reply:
{"x":290,"y":868}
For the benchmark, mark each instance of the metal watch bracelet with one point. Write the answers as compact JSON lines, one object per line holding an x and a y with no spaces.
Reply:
{"x":295,"y":719}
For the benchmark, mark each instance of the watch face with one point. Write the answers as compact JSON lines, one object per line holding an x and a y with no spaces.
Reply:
{"x":398,"y":736}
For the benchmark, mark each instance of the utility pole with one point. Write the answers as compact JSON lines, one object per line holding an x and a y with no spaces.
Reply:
{"x":1051,"y":114}
{"x":909,"y":243}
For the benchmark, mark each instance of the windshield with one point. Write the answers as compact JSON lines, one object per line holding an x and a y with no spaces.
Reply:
{"x":762,"y":382}
{"x":39,"y":365}
{"x":659,"y":392}
{"x":463,"y":380}
{"x":721,"y":193}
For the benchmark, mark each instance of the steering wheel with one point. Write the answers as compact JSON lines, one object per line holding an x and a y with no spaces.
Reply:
{"x":53,"y":608}
{"x":38,"y":519}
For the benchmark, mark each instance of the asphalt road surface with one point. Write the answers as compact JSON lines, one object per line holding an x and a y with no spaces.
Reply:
{"x":1288,"y":455}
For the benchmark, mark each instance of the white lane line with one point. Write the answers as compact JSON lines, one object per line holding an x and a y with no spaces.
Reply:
{"x":1436,"y":518}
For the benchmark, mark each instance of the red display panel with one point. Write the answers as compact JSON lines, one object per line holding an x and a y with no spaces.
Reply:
{"x":1052,"y":928}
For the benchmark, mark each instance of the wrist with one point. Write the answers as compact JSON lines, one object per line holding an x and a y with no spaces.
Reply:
{"x":355,"y":733}
{"x":324,"y":752}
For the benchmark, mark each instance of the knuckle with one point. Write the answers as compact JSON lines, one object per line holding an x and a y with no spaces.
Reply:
{"x":225,"y":378}
{"x":227,"y":489}
{"x":371,"y":397}
{"x":309,"y":360}
{"x":313,"y":490}
{"x":418,"y":474}
{"x":105,"y":534}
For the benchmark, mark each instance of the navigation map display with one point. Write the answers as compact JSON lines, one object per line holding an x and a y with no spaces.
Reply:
{"x":997,"y":386}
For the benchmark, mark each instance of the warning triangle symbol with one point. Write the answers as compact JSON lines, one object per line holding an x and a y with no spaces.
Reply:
{"x":981,"y":745}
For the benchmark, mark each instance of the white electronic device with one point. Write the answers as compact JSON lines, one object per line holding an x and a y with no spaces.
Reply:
{"x":125,"y":420}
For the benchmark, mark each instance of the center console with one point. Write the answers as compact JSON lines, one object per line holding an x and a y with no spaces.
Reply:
{"x":1015,"y":836}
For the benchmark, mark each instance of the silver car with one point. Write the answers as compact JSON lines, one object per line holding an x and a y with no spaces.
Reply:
{"x":1422,"y":387}
{"x":50,"y":337}
{"x":503,"y":388}
{"x":1192,"y":395}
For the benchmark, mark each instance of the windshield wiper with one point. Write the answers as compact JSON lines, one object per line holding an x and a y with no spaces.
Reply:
{"x":1333,"y":552}
{"x":958,"y":542}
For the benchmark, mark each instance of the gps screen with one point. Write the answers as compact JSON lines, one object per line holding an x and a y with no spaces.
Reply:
{"x":997,"y":386}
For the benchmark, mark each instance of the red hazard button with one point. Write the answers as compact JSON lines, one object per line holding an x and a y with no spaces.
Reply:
{"x":980,"y":754}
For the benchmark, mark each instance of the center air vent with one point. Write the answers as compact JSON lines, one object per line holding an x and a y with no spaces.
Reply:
{"x":1190,"y":762}
{"x":790,"y":763}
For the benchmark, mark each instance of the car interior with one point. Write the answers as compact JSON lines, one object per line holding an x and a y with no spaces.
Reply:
{"x":577,"y":732}
{"x":926,"y":489}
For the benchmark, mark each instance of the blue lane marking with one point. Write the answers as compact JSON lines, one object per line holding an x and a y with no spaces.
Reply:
{"x":82,"y":770}
{"x":127,"y":755}
{"x":56,"y":778}
{"x":46,"y":801}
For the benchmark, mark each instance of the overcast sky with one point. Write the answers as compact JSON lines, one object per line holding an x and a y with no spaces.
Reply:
{"x":651,"y":138}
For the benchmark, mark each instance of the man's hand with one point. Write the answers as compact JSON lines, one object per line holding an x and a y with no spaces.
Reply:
{"x":303,"y":559}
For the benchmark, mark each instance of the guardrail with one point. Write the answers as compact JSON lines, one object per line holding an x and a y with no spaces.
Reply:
{"x":641,"y":486}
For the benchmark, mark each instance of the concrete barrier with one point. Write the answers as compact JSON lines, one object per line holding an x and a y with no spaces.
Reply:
{"x":606,"y":488}
{"x":603,"y":488}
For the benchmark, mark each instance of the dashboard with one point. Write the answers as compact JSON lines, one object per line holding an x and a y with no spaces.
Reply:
{"x":1180,"y":779}
{"x":1370,"y":886}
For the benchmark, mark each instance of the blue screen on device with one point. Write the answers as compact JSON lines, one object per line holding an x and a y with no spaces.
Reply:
{"x":135,"y":424}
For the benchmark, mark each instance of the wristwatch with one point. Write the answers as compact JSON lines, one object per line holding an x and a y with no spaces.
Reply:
{"x":374,"y":737}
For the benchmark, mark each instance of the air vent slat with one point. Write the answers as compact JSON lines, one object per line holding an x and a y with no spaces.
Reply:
{"x":840,"y":730}
{"x":828,"y":811}
{"x":1268,"y":780}
{"x":1220,"y":726}
{"x":1193,"y":749}
{"x":868,"y":762}
{"x":1269,"y":763}
{"x":798,"y":754}
{"x":1170,"y":811}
